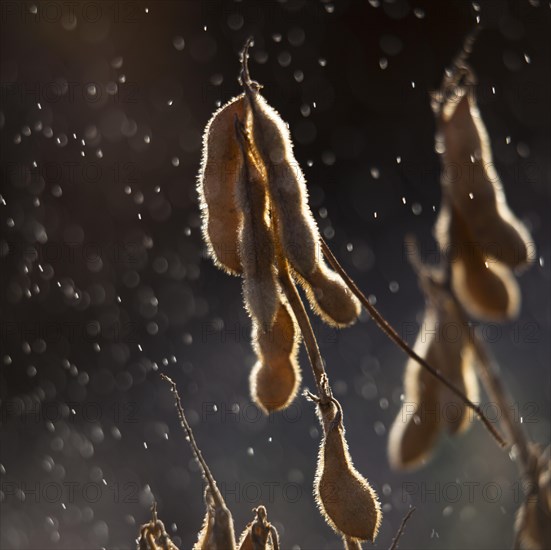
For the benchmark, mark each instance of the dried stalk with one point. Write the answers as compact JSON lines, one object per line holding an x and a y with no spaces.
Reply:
{"x":396,"y":539}
{"x":308,"y":336}
{"x":385,"y":326}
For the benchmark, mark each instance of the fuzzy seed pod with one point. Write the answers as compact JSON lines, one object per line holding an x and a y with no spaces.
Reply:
{"x":221,"y":171}
{"x":217,"y":531}
{"x":329,"y":297}
{"x":486,"y":288}
{"x":256,"y":245}
{"x":260,"y":534}
{"x":470,"y":179}
{"x":345,"y":498}
{"x":276,"y":377}
{"x":298,"y":232}
{"x":429,"y":406}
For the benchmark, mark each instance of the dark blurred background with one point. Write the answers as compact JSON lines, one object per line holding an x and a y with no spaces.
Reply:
{"x":105,"y":281}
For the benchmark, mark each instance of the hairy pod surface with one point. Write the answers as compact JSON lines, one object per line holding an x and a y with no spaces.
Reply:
{"x":329,"y":297}
{"x":217,"y":532}
{"x":298,"y":232}
{"x":256,"y":244}
{"x":430,"y":407}
{"x":472,"y":182}
{"x":275,"y":378}
{"x":486,"y":288}
{"x":345,"y":498}
{"x":221,"y":172}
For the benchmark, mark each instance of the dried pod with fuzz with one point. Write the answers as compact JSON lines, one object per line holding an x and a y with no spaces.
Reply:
{"x":297,"y":230}
{"x":485,"y":287}
{"x":256,"y":244}
{"x":260,"y":534}
{"x":469,"y":176}
{"x":221,"y":172}
{"x":153,"y":535}
{"x":276,"y":377}
{"x":217,"y":532}
{"x":429,"y":406}
{"x":345,"y":498}
{"x":329,"y":297}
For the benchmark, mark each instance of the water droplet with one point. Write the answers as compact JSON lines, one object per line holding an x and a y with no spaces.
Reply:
{"x":179,"y":43}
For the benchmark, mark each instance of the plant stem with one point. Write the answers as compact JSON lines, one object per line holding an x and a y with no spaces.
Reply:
{"x":489,"y":374}
{"x":216,"y":495}
{"x":401,"y":529}
{"x":385,"y":326}
{"x":310,"y":342}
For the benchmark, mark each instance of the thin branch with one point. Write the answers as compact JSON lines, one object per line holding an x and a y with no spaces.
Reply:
{"x":195,"y":448}
{"x":489,"y":374}
{"x":308,"y":336}
{"x":385,"y":326}
{"x":396,"y":539}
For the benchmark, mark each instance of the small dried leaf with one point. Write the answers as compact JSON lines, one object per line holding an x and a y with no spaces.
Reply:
{"x":221,"y":171}
{"x":345,"y":498}
{"x":260,"y":534}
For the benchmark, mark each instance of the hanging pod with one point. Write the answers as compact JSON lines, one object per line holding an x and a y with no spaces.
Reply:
{"x":220,"y":174}
{"x":260,"y":534}
{"x":485,"y":287}
{"x":276,"y":377}
{"x":345,"y":498}
{"x":469,"y":176}
{"x":217,"y":532}
{"x":296,"y":228}
{"x":429,"y":407}
{"x":256,"y":244}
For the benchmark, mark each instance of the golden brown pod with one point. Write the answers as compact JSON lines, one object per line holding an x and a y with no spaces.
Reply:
{"x":486,"y":288}
{"x":221,"y":171}
{"x":429,"y":406}
{"x":345,"y":498}
{"x":256,"y":245}
{"x":217,"y":532}
{"x":329,"y":297}
{"x":260,"y":534}
{"x":276,"y":377}
{"x":298,"y":232}
{"x":469,"y":176}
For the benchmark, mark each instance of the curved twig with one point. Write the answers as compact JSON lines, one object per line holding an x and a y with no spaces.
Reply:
{"x":387,"y":328}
